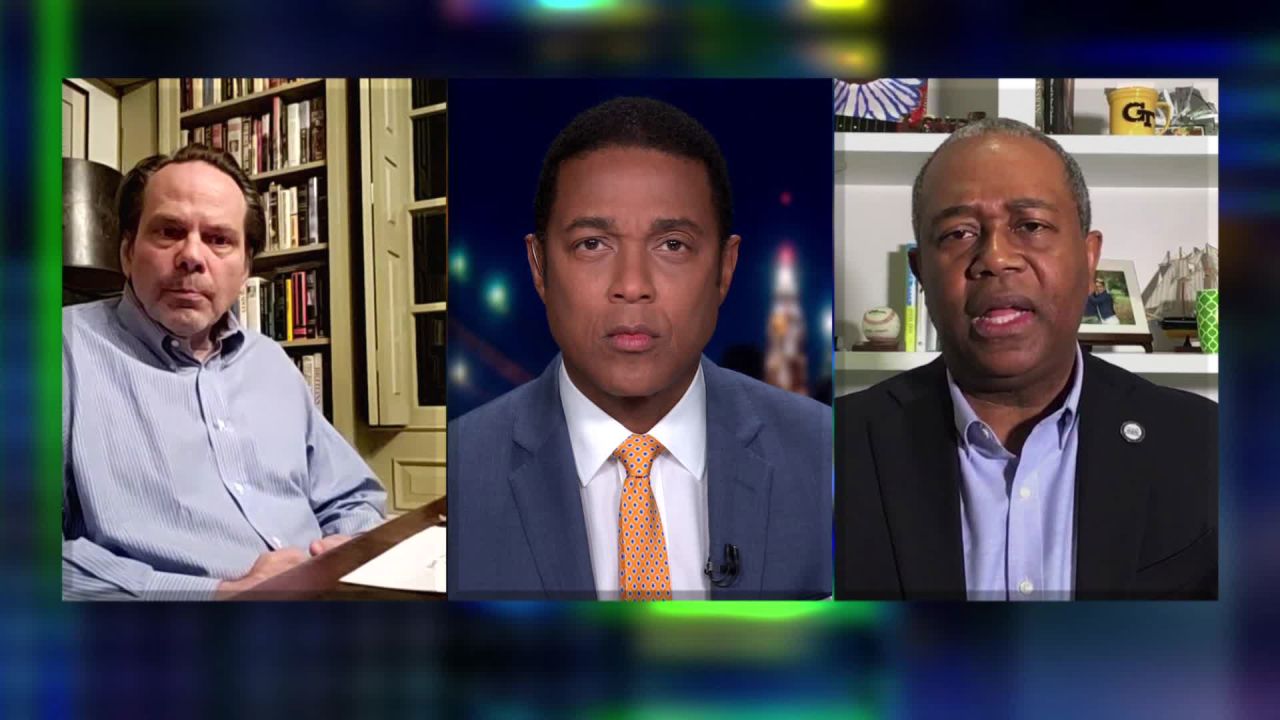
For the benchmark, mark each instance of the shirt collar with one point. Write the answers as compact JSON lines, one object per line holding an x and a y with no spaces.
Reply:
{"x":594,"y":435}
{"x":971,"y":429}
{"x":228,"y":335}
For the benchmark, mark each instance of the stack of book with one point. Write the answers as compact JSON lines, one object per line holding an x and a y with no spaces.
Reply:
{"x":291,"y":134}
{"x":296,"y":215}
{"x":288,"y":306}
{"x":311,"y":366}
{"x":918,"y":332}
{"x":200,"y":92}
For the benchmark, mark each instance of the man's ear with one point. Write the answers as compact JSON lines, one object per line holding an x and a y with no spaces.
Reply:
{"x":1093,"y":252}
{"x":126,"y":255}
{"x":534,"y":252}
{"x":728,"y":263}
{"x":913,"y":261}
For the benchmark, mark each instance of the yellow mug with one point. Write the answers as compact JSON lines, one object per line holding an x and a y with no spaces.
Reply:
{"x":1133,"y":111}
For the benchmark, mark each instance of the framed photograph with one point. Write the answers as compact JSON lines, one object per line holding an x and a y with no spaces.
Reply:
{"x":1114,"y":305}
{"x":75,"y":121}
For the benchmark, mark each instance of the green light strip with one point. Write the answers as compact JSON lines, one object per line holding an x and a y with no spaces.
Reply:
{"x":773,"y":611}
{"x":53,"y":61}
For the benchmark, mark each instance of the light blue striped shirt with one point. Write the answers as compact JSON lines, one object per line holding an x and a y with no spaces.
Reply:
{"x":178,"y":474}
{"x":1017,"y":512}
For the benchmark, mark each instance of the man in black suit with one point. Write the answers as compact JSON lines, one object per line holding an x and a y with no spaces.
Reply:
{"x":1015,"y":466}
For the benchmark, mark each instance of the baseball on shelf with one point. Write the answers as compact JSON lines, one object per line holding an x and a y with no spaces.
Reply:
{"x":881,"y":326}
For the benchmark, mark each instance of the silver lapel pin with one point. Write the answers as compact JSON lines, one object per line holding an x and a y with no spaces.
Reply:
{"x":1132,"y":431}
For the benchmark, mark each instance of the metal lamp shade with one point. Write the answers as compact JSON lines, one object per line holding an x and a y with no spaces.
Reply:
{"x":90,"y":245}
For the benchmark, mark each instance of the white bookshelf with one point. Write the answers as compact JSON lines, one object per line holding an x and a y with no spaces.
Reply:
{"x":1165,"y":363}
{"x":1150,"y":196}
{"x":1108,"y":161}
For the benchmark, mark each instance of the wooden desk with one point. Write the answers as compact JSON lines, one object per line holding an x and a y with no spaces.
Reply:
{"x":319,"y":578}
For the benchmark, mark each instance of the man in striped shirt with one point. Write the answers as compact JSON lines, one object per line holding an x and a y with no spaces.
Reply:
{"x":195,"y":463}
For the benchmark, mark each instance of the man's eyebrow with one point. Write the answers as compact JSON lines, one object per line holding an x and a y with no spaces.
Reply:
{"x":662,"y":225}
{"x":1023,"y":203}
{"x":591,"y":222}
{"x":950,"y":212}
{"x":1028,"y":203}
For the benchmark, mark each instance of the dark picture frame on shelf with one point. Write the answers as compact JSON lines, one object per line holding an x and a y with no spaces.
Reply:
{"x":75,"y":119}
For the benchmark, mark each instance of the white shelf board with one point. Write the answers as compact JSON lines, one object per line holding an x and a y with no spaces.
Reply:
{"x":1167,"y":363}
{"x":1106,"y":160}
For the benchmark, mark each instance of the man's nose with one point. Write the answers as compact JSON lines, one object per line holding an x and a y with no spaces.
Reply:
{"x":190,"y":257}
{"x":632,"y":279}
{"x":997,"y":253}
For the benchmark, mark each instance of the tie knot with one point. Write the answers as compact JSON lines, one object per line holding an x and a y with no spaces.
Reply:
{"x":638,"y":453}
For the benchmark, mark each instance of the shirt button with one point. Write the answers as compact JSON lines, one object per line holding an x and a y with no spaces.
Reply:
{"x":276,"y":542}
{"x":1024,"y":493}
{"x":220,"y":425}
{"x":1025,"y":587}
{"x":239,"y":488}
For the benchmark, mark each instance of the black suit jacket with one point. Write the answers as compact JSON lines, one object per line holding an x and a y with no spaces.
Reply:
{"x":1146,"y":512}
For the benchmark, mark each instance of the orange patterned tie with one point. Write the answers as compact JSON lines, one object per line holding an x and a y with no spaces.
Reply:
{"x":643,"y":570}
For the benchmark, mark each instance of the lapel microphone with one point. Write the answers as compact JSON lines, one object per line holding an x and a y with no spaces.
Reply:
{"x":727,"y":573}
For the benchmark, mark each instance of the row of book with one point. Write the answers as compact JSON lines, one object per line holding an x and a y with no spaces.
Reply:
{"x":201,"y":92}
{"x":311,"y":365}
{"x":291,"y":134}
{"x":297,"y":215}
{"x":918,"y":332}
{"x":288,"y":306}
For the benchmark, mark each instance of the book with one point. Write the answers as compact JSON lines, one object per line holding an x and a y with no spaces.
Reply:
{"x":186,"y":137}
{"x":308,"y":363}
{"x":293,"y":216}
{"x":922,"y":319}
{"x":304,"y":120}
{"x":317,"y":129}
{"x":273,"y":240}
{"x":299,"y":304}
{"x":253,"y":314}
{"x":309,"y":314}
{"x":217,"y":136}
{"x":909,"y":306}
{"x":277,"y":138}
{"x":242,"y":305}
{"x":304,"y":213}
{"x":246,"y":144}
{"x":322,"y":304}
{"x":313,"y":210}
{"x":234,"y":130}
{"x":317,"y":380}
{"x":294,"y":142}
{"x":288,"y":308}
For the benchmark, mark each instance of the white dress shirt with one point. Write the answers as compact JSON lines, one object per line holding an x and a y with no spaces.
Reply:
{"x":678,"y":479}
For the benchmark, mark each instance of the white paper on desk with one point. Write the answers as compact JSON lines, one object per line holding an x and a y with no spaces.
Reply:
{"x":416,"y":563}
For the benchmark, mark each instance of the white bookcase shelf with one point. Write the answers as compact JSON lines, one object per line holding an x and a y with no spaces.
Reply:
{"x":1162,"y":363}
{"x":1106,"y":160}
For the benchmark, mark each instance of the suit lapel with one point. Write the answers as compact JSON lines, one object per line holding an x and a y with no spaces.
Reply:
{"x":919,"y":474}
{"x":546,"y":492}
{"x":1111,"y":487}
{"x":739,"y":481}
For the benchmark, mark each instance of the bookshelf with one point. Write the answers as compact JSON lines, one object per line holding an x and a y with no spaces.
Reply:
{"x":324,"y":161}
{"x":1150,"y":196}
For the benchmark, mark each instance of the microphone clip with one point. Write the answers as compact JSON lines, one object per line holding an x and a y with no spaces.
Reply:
{"x":725,"y":575}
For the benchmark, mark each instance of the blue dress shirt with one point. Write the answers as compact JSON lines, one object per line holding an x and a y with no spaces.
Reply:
{"x":178,"y":474}
{"x":1018,"y":512}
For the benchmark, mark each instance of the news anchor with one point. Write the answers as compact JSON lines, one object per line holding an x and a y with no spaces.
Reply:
{"x":1015,"y":467}
{"x":634,"y":468}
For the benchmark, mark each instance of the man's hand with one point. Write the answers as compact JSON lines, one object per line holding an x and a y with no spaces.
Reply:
{"x":267,"y":566}
{"x":328,"y":543}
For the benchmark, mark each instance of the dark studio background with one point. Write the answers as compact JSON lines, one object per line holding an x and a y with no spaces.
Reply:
{"x":776,"y":139}
{"x":526,"y":660}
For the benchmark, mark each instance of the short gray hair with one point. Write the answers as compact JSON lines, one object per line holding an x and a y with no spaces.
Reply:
{"x":1005,"y":126}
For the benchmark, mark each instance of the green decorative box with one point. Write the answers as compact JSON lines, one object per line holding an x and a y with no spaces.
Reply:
{"x":1207,"y":320}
